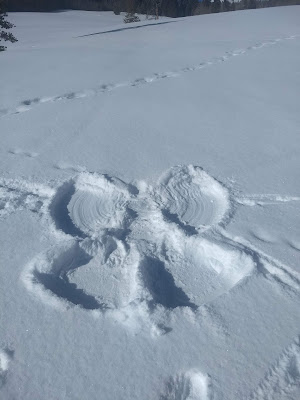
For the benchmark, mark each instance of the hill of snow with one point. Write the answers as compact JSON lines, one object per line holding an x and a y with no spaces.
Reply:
{"x":149,"y":207}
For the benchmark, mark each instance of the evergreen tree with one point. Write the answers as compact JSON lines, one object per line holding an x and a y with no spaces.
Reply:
{"x":207,"y":3}
{"x":4,"y":26}
{"x":116,"y":6}
{"x":252,"y":4}
{"x":226,"y":5}
{"x":169,"y":8}
{"x":216,"y":6}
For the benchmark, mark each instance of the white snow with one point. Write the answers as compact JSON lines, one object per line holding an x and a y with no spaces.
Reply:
{"x":149,"y":207}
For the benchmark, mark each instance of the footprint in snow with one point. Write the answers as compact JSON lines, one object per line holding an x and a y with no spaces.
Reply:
{"x":69,"y":167}
{"x":20,"y":152}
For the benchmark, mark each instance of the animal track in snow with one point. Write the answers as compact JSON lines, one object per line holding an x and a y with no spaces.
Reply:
{"x":69,"y":167}
{"x":29,"y":104}
{"x":20,"y":152}
{"x":190,"y":385}
{"x":282,"y":381}
{"x":142,"y":253}
{"x":20,"y":195}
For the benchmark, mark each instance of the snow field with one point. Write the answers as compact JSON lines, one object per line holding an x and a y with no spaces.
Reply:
{"x":149,"y":208}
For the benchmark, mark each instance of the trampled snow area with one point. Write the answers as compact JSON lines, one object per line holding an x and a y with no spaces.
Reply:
{"x":150,"y":207}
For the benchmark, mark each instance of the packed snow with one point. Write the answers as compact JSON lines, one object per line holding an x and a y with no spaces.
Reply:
{"x":150,"y":207}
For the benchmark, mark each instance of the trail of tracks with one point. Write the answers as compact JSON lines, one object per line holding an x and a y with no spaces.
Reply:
{"x":29,"y":104}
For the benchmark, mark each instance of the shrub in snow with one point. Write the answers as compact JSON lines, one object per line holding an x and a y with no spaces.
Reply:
{"x":131,"y":17}
{"x":4,"y":26}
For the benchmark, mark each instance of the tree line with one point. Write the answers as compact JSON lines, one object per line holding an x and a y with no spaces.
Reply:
{"x":170,"y":8}
{"x":215,"y":6}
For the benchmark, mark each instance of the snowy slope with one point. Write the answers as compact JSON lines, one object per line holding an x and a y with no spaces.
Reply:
{"x":149,"y":207}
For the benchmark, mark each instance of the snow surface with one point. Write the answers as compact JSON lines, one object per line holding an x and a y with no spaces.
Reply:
{"x":149,"y":207}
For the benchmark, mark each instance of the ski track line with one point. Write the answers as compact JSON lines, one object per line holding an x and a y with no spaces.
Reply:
{"x":125,"y":29}
{"x":29,"y":104}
